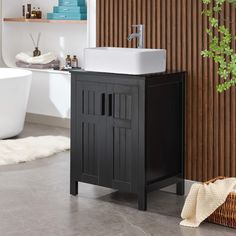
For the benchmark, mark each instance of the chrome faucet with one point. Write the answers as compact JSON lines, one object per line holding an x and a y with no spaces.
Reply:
{"x":139,"y":35}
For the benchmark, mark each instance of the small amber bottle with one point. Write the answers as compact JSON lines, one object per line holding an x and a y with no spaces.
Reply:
{"x":34,"y":13}
{"x":39,"y":13}
{"x":74,"y":62}
{"x":68,"y":61}
{"x":23,"y":11}
{"x":28,"y":12}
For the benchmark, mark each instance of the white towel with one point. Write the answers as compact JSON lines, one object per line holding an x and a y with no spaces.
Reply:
{"x":204,"y":199}
{"x":43,"y":59}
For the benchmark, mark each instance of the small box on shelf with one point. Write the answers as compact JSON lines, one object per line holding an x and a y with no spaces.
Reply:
{"x":69,"y":10}
{"x":72,"y":2}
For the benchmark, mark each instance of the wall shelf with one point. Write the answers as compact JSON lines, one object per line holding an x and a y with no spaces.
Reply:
{"x":23,"y":20}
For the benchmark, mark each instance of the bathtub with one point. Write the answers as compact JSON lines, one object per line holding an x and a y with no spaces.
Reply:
{"x":14,"y":94}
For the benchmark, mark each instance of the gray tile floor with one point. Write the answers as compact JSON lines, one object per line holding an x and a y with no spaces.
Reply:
{"x":35,"y":200}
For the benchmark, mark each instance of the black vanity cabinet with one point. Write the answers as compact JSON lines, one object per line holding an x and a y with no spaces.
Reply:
{"x":127,"y":132}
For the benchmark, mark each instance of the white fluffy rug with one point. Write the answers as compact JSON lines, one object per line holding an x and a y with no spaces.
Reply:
{"x":31,"y":148}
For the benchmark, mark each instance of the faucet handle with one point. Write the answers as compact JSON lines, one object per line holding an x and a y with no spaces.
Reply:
{"x":140,"y":25}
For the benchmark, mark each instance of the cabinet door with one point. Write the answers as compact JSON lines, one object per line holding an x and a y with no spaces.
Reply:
{"x":89,"y":139}
{"x":122,"y":137}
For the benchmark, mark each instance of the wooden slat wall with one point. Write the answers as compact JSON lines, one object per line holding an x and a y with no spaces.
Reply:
{"x":178,"y":26}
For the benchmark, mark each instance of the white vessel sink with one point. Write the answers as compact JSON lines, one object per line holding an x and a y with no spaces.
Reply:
{"x":132,"y":61}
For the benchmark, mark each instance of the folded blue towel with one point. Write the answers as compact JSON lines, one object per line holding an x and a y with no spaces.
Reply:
{"x":69,"y":9}
{"x":67,"y":16}
{"x":72,"y":3}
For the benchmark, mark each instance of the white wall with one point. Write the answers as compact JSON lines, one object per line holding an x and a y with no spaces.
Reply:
{"x":61,"y":39}
{"x":92,"y":23}
{"x":50,"y":92}
{"x":1,"y":61}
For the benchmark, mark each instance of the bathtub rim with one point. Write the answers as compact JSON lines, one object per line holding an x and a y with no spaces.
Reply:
{"x":24,"y":73}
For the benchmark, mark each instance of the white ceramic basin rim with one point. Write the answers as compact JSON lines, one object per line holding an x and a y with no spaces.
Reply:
{"x":125,"y":60}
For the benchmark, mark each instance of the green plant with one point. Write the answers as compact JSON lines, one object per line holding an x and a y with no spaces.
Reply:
{"x":220,"y":44}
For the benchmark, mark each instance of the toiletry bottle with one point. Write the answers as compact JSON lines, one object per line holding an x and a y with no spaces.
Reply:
{"x":34,"y":13}
{"x":68,"y":61}
{"x":36,"y":52}
{"x":28,"y":14}
{"x":74,"y":62}
{"x":39,"y":13}
{"x":23,"y":11}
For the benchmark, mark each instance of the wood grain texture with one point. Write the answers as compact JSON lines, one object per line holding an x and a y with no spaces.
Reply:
{"x":178,"y":26}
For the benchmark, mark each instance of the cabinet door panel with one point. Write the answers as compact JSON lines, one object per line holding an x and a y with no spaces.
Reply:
{"x":90,"y":135}
{"x":88,"y":149}
{"x":123,"y":136}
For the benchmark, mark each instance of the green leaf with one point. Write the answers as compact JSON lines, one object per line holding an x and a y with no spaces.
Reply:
{"x":206,"y":1}
{"x":220,"y":44}
{"x":213,"y":22}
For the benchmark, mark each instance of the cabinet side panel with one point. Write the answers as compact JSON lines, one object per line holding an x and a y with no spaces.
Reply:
{"x":164,"y":153}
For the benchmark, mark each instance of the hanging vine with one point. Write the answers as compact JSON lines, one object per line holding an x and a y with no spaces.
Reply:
{"x":220,"y":44}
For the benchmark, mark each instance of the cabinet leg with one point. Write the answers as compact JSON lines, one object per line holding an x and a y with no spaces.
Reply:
{"x":180,"y":189}
{"x":142,"y":201}
{"x":73,"y":187}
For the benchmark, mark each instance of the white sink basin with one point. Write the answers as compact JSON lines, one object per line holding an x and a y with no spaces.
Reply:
{"x":132,"y":61}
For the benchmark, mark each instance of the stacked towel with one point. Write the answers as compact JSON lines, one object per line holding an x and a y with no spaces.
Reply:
{"x":69,"y":10}
{"x":51,"y":65}
{"x":45,"y":61}
{"x":204,"y":199}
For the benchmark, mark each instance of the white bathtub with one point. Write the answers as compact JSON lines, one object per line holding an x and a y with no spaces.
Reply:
{"x":14,"y":94}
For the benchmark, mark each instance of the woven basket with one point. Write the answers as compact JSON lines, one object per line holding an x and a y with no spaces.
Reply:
{"x":226,"y":213}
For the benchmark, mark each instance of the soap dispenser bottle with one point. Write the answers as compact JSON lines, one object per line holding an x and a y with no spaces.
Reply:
{"x":74,"y":62}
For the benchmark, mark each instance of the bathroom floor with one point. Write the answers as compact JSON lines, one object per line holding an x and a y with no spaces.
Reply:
{"x":35,"y":200}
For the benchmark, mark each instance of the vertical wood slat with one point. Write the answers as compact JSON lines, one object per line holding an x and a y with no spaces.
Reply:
{"x":135,"y":18}
{"x":209,"y":170}
{"x":157,"y":39}
{"x":130,"y":20}
{"x":116,"y":22}
{"x":120,"y":22}
{"x":221,"y":124}
{"x":111,"y":23}
{"x":125,"y":23}
{"x":102,"y":21}
{"x":144,"y":19}
{"x":174,"y":35}
{"x":169,"y":38}
{"x":227,"y":114}
{"x":98,"y":26}
{"x":178,"y":26}
{"x":191,"y":158}
{"x":106,"y":23}
{"x":149,"y":24}
{"x":199,"y":88}
{"x":233,"y":109}
{"x":194,"y":88}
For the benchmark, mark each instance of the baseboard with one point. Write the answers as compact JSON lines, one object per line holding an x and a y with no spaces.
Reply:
{"x":172,"y":188}
{"x":48,"y":120}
